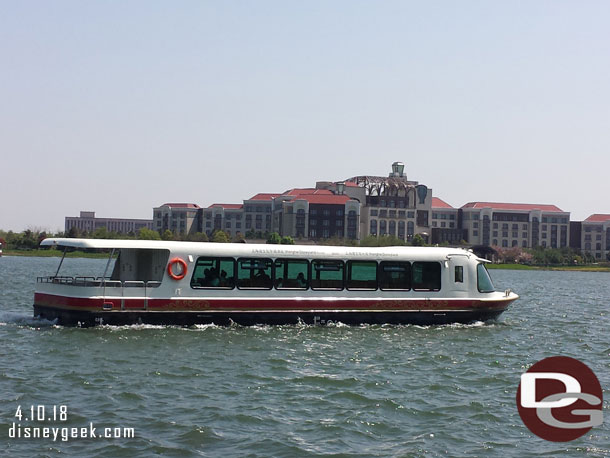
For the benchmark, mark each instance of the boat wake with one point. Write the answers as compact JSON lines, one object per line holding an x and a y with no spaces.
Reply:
{"x":22,"y":319}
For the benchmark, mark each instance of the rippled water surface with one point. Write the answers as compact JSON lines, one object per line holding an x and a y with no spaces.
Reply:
{"x":298,"y":390}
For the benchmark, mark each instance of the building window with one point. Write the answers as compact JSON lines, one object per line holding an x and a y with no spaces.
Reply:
{"x":382,"y":227}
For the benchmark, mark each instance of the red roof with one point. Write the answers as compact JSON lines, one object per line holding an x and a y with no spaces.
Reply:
{"x":439,"y":203}
{"x":181,"y":205}
{"x":228,"y":206}
{"x":598,"y":218}
{"x":307,"y":191}
{"x":264,"y":196}
{"x":331,"y":199}
{"x":509,"y":206}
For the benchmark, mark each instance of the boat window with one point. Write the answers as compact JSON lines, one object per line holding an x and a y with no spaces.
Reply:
{"x":395,"y":275}
{"x":214,"y":273}
{"x":361,"y":275}
{"x":291,"y":273}
{"x":459,"y":274}
{"x":484,"y":283}
{"x":327,"y":274}
{"x":426,"y":276}
{"x":254,"y":273}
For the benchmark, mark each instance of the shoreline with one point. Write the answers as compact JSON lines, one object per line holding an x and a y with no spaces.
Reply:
{"x":579,"y":268}
{"x":51,"y":254}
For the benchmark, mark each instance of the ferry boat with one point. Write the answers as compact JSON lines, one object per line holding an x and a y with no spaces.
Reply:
{"x":187,"y":283}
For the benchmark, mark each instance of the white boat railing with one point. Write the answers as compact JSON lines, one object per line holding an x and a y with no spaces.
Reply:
{"x":97,"y":281}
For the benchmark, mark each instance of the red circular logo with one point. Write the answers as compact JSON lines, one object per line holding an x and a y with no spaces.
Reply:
{"x":560,"y":399}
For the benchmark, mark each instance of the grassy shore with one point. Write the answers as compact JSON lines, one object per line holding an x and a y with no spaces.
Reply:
{"x":578,"y":268}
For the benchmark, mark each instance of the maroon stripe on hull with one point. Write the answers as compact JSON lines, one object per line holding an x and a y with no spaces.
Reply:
{"x":265,"y":304}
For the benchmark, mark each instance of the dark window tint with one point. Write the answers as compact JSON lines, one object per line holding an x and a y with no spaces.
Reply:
{"x":394,"y":275}
{"x":426,"y":276}
{"x":484,"y":283}
{"x":214,"y":273}
{"x":291,"y":273}
{"x":254,"y":273}
{"x":459,"y":274}
{"x":326,"y":274}
{"x":361,"y":275}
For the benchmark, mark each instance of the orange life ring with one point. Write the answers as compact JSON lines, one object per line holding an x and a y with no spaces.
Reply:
{"x":170,"y":270}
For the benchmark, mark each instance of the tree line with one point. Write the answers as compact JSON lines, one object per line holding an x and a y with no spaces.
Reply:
{"x":540,"y":256}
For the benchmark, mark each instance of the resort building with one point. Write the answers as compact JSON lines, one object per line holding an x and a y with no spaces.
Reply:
{"x":257,"y":212}
{"x":446,"y":224}
{"x":392,"y":205}
{"x":370,"y":205}
{"x":181,"y":218}
{"x":226,"y":217}
{"x":595,"y":236}
{"x":515,"y":225}
{"x":316,"y":213}
{"x":89,"y":223}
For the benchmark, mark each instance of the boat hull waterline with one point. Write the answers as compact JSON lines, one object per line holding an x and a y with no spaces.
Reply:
{"x":89,"y":312}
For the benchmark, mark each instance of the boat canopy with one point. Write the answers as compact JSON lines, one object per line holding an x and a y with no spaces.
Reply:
{"x":440,"y":254}
{"x":106,"y":243}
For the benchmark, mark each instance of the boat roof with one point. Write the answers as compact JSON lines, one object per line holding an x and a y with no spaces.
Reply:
{"x":241,"y":249}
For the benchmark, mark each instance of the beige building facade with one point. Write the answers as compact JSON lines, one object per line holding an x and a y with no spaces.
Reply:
{"x":180,"y":218}
{"x":508,"y":225}
{"x":595,"y":236}
{"x":88,"y":222}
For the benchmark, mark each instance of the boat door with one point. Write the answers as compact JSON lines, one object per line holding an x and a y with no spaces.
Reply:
{"x":459,"y":273}
{"x":139,"y":272}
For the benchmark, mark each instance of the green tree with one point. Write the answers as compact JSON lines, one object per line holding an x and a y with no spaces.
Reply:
{"x":198,"y":237}
{"x":369,"y":240}
{"x":382,"y":240}
{"x":101,"y":233}
{"x":418,"y":240}
{"x":274,"y":238}
{"x":220,"y":237}
{"x":148,"y":234}
{"x":287,"y":240}
{"x":167,"y":235}
{"x":73,"y":233}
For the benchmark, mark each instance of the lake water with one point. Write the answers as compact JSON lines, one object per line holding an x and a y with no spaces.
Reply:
{"x":296,"y":390}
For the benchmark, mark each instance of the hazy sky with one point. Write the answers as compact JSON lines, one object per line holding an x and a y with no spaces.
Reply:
{"x":120,"y":106}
